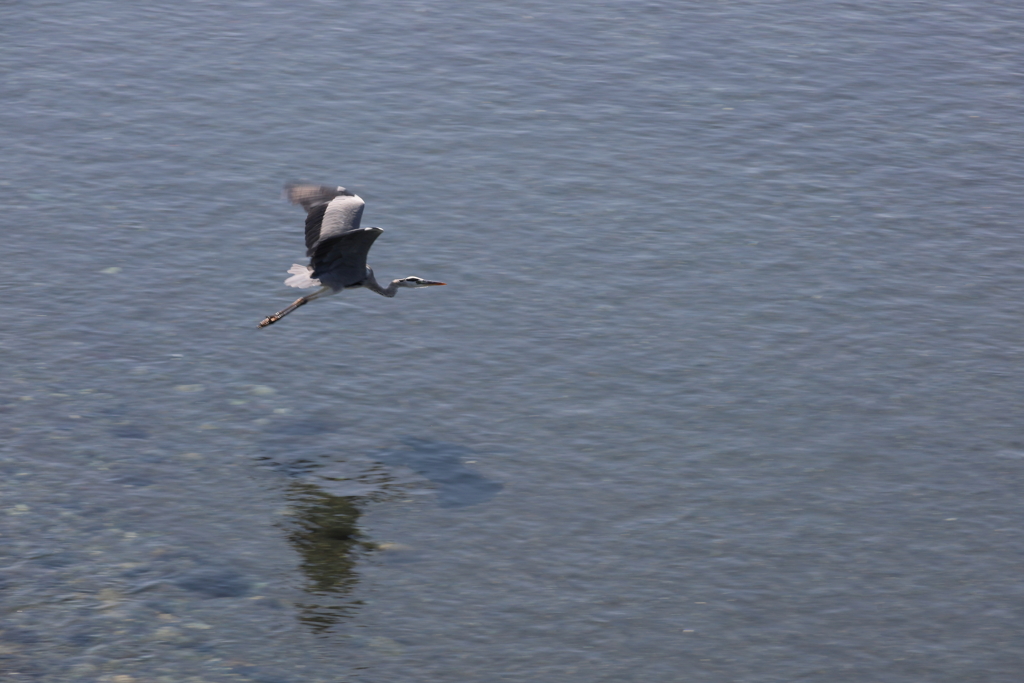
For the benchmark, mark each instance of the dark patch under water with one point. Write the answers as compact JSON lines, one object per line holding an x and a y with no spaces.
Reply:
{"x":442,"y":463}
{"x":215,"y":583}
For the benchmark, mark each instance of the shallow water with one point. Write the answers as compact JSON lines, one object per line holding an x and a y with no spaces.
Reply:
{"x":724,"y":385}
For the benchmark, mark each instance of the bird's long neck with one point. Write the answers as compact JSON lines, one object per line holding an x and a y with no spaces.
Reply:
{"x":371,"y":284}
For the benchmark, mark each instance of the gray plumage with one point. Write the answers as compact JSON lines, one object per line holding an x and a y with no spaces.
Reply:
{"x":337,"y":247}
{"x":330,"y":211}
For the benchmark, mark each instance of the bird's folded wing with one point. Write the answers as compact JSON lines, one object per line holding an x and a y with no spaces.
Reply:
{"x":329,"y":211}
{"x":340,"y":261}
{"x":341,"y":214}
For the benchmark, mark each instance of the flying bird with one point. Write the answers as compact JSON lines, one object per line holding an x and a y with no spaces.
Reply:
{"x":337,"y":248}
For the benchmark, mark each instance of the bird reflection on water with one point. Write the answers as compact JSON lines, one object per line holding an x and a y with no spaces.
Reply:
{"x":326,"y":496}
{"x":324,"y":531}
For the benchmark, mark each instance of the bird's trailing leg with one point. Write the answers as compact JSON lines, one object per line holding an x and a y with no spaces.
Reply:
{"x":271,"y":319}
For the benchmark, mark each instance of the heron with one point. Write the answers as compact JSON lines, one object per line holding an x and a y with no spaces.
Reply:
{"x":337,"y":248}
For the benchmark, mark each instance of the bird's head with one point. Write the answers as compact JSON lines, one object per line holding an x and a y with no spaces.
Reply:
{"x":413,"y":281}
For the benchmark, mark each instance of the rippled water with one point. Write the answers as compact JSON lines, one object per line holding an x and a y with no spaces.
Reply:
{"x":725,"y":385}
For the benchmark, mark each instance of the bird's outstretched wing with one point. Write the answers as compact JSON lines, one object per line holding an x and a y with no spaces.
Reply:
{"x":339,"y":261}
{"x":330,"y":211}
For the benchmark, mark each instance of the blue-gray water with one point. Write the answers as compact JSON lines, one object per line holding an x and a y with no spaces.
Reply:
{"x":725,"y":384}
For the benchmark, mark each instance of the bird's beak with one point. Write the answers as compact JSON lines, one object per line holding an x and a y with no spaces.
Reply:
{"x":435,"y":283}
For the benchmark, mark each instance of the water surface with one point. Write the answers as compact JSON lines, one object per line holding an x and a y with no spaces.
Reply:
{"x":725,"y":385}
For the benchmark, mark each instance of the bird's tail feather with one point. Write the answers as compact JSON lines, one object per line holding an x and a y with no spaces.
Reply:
{"x":301,"y":277}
